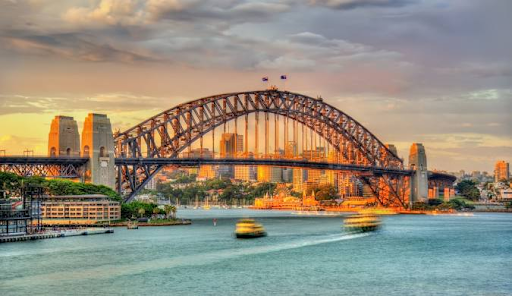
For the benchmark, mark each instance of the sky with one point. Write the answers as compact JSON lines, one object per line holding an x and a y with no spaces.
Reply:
{"x":434,"y":72}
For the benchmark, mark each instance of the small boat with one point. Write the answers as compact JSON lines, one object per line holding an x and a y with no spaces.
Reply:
{"x":132,"y":225}
{"x":362,"y":223}
{"x":248,"y":228}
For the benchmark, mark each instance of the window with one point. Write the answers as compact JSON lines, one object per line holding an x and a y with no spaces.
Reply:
{"x":86,"y":151}
{"x":103,"y":153}
{"x":53,"y":151}
{"x":68,"y":151}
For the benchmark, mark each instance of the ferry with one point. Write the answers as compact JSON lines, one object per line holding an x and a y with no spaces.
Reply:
{"x":248,"y":228}
{"x":362,"y":223}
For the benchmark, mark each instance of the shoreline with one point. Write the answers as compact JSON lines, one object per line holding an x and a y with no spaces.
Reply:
{"x":148,"y":224}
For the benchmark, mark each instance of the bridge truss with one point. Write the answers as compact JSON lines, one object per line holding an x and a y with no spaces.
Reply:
{"x":143,"y":150}
{"x":58,"y":167}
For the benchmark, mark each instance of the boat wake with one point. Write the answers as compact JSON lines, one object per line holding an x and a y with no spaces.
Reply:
{"x":104,"y":272}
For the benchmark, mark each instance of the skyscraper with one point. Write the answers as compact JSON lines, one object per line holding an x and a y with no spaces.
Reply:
{"x":231,"y":144}
{"x":501,"y":171}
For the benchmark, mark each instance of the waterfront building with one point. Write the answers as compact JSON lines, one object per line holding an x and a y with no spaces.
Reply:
{"x":79,"y":209}
{"x":501,"y":171}
{"x":506,"y":194}
{"x":283,"y":200}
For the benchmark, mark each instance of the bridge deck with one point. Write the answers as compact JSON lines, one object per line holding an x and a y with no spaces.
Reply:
{"x":43,"y":160}
{"x":191,"y":162}
{"x":258,"y":161}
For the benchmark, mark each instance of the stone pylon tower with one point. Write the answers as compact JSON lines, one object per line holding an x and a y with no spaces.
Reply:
{"x":98,"y":145}
{"x":419,"y":181}
{"x":63,"y":139}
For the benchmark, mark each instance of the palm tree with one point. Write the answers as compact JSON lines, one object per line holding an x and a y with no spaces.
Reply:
{"x":141,"y":212}
{"x":168,"y":210}
{"x":156,"y":211}
{"x":173,"y":210}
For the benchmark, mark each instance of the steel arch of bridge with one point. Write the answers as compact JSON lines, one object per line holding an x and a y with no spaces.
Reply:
{"x":167,"y":134}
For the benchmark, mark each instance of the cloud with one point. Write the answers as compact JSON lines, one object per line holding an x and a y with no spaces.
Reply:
{"x":353,"y":4}
{"x":72,"y":46}
{"x":106,"y":103}
{"x":199,"y":13}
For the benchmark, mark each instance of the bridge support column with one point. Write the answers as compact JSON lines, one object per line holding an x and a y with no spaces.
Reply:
{"x":63,"y":139}
{"x":419,"y":181}
{"x":98,"y":144}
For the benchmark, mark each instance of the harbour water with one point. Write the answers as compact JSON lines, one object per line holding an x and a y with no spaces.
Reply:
{"x":303,"y":255}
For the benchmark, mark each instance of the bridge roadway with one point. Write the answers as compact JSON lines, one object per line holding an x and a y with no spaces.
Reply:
{"x":192,"y":162}
{"x":42,"y":160}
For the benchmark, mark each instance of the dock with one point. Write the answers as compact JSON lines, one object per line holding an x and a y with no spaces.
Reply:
{"x":55,"y":234}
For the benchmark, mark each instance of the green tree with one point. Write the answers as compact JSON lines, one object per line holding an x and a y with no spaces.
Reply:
{"x":141,"y":212}
{"x":468,"y":189}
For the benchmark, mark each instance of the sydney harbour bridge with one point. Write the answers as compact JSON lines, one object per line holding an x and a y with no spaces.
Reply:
{"x":268,"y":120}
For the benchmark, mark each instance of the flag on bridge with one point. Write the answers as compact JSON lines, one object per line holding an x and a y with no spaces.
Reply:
{"x":283,"y":77}
{"x":265,"y":79}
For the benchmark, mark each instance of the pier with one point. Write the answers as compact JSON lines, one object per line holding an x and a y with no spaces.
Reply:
{"x":54,"y":234}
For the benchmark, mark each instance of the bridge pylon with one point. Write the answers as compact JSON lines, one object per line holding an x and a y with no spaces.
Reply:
{"x":98,"y":145}
{"x":419,"y":181}
{"x":63,"y":139}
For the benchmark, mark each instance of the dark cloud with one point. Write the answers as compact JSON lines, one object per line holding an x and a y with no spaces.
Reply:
{"x":353,"y":4}
{"x":72,"y":46}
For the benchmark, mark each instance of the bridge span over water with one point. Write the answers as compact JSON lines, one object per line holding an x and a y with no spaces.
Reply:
{"x":262,"y":123}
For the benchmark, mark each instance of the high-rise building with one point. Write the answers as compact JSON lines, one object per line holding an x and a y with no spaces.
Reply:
{"x":204,"y":171}
{"x":287,"y":175}
{"x":299,"y":177}
{"x":276,"y":174}
{"x":290,"y":150}
{"x":231,"y":144}
{"x":501,"y":171}
{"x":264,"y":173}
{"x":245,"y":173}
{"x":63,"y":139}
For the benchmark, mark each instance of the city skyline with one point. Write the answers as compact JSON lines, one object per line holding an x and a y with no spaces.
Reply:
{"x":423,"y":78}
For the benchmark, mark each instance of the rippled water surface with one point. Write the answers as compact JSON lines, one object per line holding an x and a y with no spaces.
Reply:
{"x":303,"y":255}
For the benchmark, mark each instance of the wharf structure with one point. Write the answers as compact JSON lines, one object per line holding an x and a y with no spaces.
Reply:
{"x":20,"y":216}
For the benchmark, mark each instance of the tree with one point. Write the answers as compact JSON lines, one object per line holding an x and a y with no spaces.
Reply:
{"x":141,"y":212}
{"x":467,"y":188}
{"x":156,"y":211}
{"x":434,"y":202}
